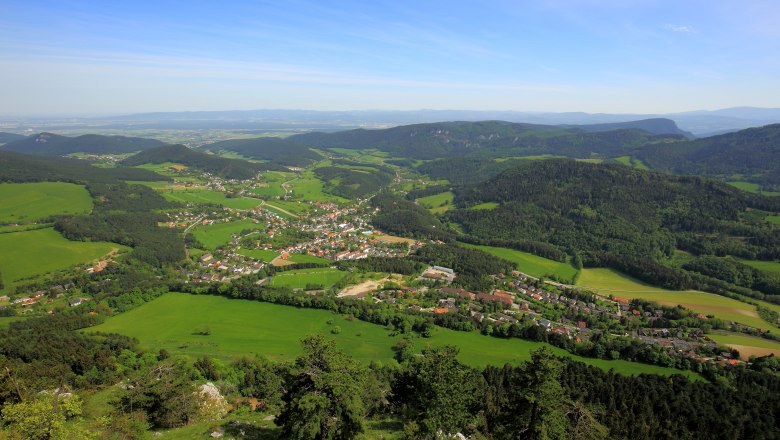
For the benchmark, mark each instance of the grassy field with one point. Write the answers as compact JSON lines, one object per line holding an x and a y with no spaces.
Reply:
{"x":607,"y":281}
{"x":305,"y":258}
{"x":487,"y":206}
{"x":33,"y":253}
{"x":774,"y":219}
{"x":217,"y":234}
{"x":205,"y":196}
{"x":291,"y":207}
{"x":752,"y":187}
{"x":241,"y":327}
{"x":766,"y":266}
{"x":298,"y":279}
{"x":28,"y":202}
{"x":272,"y":189}
{"x":632,"y":162}
{"x":530,"y":263}
{"x":310,"y":189}
{"x":259,"y":254}
{"x":438,"y":203}
{"x":746,"y":345}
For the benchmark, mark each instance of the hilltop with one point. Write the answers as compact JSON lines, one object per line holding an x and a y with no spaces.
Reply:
{"x":228,"y":168}
{"x":56,"y":145}
{"x":494,"y":138}
{"x":17,"y":167}
{"x":273,"y":149}
{"x":9,"y":137}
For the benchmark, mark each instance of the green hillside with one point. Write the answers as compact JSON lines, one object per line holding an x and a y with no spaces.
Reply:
{"x":56,"y":145}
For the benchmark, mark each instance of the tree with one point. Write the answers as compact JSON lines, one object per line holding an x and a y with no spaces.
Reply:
{"x":166,"y":394}
{"x":440,"y":394}
{"x":323,"y":396}
{"x":45,"y":417}
{"x":544,"y":398}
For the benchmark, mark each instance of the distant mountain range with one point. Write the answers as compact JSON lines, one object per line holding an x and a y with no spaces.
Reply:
{"x":56,"y":145}
{"x":228,"y":168}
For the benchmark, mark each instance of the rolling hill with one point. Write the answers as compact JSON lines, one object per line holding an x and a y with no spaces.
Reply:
{"x":55,"y":145}
{"x":6,"y":137}
{"x":228,"y":168}
{"x":272,"y":149}
{"x":493,"y":138}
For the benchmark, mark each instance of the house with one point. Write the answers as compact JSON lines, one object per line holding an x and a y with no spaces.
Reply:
{"x":440,"y":310}
{"x":73,"y":302}
{"x":544,"y":323}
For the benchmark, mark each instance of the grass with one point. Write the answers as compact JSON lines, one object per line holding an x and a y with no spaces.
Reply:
{"x":774,"y":219}
{"x":28,"y":202}
{"x":291,"y":207}
{"x":438,"y":203}
{"x":746,"y":345}
{"x":530,"y":263}
{"x":487,"y":206}
{"x":205,"y":196}
{"x":632,"y":162}
{"x":273,"y":189}
{"x":259,"y":254}
{"x":752,"y":188}
{"x":242,"y":327}
{"x":298,"y":279}
{"x":607,"y":281}
{"x":310,"y":189}
{"x":218,"y":234}
{"x":305,"y":258}
{"x":766,"y":266}
{"x":33,"y":253}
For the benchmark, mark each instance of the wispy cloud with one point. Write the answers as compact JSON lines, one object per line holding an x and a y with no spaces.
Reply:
{"x":682,"y":29}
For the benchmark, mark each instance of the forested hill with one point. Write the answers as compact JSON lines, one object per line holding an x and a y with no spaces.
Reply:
{"x":17,"y":167}
{"x":754,"y":153}
{"x":6,"y":137}
{"x":617,"y":216}
{"x":227,"y":168}
{"x":653,"y":125}
{"x":273,"y":149}
{"x":488,"y":138}
{"x":56,"y":145}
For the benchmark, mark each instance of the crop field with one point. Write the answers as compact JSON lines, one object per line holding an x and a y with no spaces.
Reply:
{"x":218,"y":234}
{"x":766,"y":266}
{"x":530,"y":263}
{"x":607,"y":281}
{"x":438,"y":203}
{"x":241,"y":327}
{"x":298,"y":279}
{"x":746,"y":345}
{"x":37,"y":252}
{"x":305,"y":258}
{"x":259,"y":254}
{"x":205,"y":196}
{"x":28,"y":202}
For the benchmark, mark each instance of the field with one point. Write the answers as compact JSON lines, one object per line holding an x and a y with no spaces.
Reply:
{"x":530,"y":263}
{"x":632,"y":162}
{"x":218,"y":234}
{"x":487,"y":206}
{"x":607,"y":281}
{"x":310,"y":189}
{"x":766,"y":266}
{"x":305,"y":258}
{"x":753,"y":188}
{"x":33,"y":253}
{"x":747,"y":345}
{"x":438,"y":203}
{"x":259,"y":254}
{"x":298,"y":279}
{"x":204,"y":196}
{"x":269,"y":189}
{"x":28,"y":202}
{"x":241,"y":327}
{"x":774,"y":219}
{"x":291,"y":207}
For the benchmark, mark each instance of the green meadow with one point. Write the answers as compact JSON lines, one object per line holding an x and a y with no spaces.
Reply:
{"x":205,"y":196}
{"x":310,"y":189}
{"x":530,"y":263}
{"x":438,"y":203}
{"x":28,"y":202}
{"x":766,"y":266}
{"x":272,"y":189}
{"x":33,"y":253}
{"x":259,"y":254}
{"x":774,"y":219}
{"x":632,"y":162}
{"x":305,"y":258}
{"x":296,"y":208}
{"x":218,"y":234}
{"x":752,"y":187}
{"x":241,"y":327}
{"x":607,"y":281}
{"x":487,"y":206}
{"x":298,"y":279}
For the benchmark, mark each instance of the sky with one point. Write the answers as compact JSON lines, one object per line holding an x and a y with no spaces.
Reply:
{"x":597,"y":56}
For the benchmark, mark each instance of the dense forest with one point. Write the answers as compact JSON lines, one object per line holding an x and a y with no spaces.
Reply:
{"x":273,"y":149}
{"x":353,"y":180}
{"x":17,"y":167}
{"x":487,"y":138}
{"x":6,"y":137}
{"x":403,"y":217}
{"x":752,"y":154}
{"x":220,"y":166}
{"x":56,"y":145}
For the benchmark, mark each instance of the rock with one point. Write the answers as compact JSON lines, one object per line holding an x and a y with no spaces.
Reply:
{"x":218,"y":433}
{"x":213,"y":405}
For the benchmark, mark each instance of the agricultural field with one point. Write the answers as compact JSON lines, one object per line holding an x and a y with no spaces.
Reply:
{"x":28,"y":202}
{"x":259,"y":254}
{"x":530,"y":263}
{"x":310,"y":189}
{"x":295,"y":208}
{"x":218,"y":234}
{"x":305,"y":258}
{"x":746,"y":345}
{"x":269,"y":189}
{"x":438,"y":203}
{"x":277,"y":211}
{"x":607,"y":281}
{"x":241,"y":327}
{"x":766,"y":266}
{"x":298,"y":279}
{"x":205,"y":196}
{"x":33,"y":253}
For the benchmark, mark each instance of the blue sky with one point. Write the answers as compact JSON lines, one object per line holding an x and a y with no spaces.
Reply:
{"x":617,"y":56}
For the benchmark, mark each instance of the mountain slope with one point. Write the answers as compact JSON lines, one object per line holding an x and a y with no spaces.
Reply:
{"x":56,"y":145}
{"x":754,"y":152}
{"x":273,"y":149}
{"x":228,"y":168}
{"x":10,"y":137}
{"x":494,"y":138}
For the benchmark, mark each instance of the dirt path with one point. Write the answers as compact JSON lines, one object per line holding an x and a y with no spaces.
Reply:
{"x":263,"y":203}
{"x":364,"y":287}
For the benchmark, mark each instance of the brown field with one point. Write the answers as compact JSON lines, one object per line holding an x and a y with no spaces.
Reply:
{"x":745,"y":351}
{"x":393,"y":239}
{"x":279,"y":262}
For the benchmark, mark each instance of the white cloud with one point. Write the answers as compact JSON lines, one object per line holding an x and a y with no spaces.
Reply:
{"x":683,"y":29}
